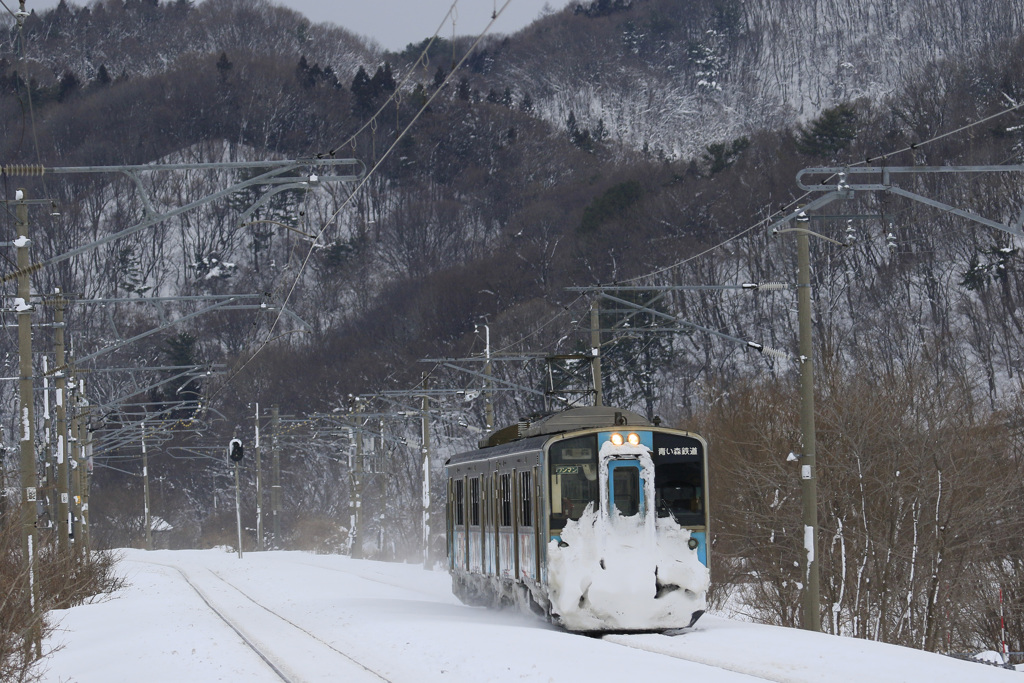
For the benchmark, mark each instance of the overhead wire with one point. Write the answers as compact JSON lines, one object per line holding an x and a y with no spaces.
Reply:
{"x":371,"y":123}
{"x":369,"y":174}
{"x":767,"y":220}
{"x":764,"y":222}
{"x":785,"y":209}
{"x":424,"y":59}
{"x":394,"y":97}
{"x":918,"y":145}
{"x":20,"y":49}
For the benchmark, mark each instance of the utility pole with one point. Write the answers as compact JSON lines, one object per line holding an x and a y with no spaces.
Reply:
{"x":76,"y":489}
{"x":843,"y":183}
{"x":595,"y":350}
{"x":49,"y":474}
{"x":356,"y":499}
{"x":275,"y":485}
{"x":259,"y":484}
{"x":145,"y":490}
{"x":29,"y":477}
{"x":63,"y":531}
{"x":488,"y":385}
{"x":808,"y":481}
{"x":425,"y":453}
{"x":86,"y":464}
{"x":78,"y":474}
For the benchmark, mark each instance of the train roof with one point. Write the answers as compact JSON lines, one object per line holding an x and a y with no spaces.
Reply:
{"x":517,"y":446}
{"x":585,"y":418}
{"x":521,"y":436}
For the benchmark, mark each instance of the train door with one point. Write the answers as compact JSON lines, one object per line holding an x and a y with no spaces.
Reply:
{"x":450,"y":525}
{"x":526,"y":534}
{"x":495,"y":522}
{"x":625,"y":487}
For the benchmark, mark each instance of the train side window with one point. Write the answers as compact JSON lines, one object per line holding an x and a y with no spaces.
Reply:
{"x":474,"y":501}
{"x":505,"y":499}
{"x":525,"y":499}
{"x":485,"y":500}
{"x":459,"y":509}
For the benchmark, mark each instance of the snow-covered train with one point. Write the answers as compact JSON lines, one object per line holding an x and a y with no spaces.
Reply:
{"x":594,"y":518}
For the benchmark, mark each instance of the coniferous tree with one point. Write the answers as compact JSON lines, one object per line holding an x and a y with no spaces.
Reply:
{"x":527,"y":103}
{"x":68,"y":84}
{"x":224,"y":66}
{"x":181,"y":350}
{"x":829,"y":133}
{"x":102,"y":76}
{"x":383,"y":80}
{"x":439,"y":77}
{"x":362,"y":93}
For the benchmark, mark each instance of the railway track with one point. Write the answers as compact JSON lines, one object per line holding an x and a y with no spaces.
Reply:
{"x":291,"y":652}
{"x":382,"y":580}
{"x":660,"y":644}
{"x":645,"y":642}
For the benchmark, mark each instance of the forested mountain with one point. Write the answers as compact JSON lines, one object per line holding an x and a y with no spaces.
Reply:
{"x":641,"y":142}
{"x":673,"y":78}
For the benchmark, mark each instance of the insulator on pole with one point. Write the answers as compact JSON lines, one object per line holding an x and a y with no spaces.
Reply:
{"x":769,"y":351}
{"x":773,"y":286}
{"x":23,"y":169}
{"x":775,"y":353}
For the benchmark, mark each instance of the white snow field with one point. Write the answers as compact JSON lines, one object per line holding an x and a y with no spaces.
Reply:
{"x":206,"y":615}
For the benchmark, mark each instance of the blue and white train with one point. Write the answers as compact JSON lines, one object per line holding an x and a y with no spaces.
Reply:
{"x":593,"y":518}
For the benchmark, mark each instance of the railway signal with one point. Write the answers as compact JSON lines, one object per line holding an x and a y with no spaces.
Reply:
{"x":235,"y":452}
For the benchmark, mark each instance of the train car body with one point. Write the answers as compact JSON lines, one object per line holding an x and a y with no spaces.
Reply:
{"x":593,"y":518}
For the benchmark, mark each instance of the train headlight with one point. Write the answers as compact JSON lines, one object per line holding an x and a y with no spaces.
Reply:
{"x":633,"y":439}
{"x":616,"y":439}
{"x":693,"y":543}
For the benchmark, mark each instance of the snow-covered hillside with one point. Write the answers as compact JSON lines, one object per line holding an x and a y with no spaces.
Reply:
{"x":673,"y":77}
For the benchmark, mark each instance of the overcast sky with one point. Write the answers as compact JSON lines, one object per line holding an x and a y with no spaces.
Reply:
{"x":396,"y":23}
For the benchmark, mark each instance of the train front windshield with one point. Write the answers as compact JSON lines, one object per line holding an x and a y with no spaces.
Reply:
{"x":573,"y":467}
{"x":679,"y":479}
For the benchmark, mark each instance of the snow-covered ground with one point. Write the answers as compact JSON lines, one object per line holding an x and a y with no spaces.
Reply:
{"x":207,"y":615}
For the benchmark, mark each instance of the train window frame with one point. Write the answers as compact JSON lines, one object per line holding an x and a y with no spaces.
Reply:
{"x":680,"y":465}
{"x":565,"y":459}
{"x":505,"y":499}
{"x":485,"y":500}
{"x":625,"y":487}
{"x":474,"y":501}
{"x":526,"y":498}
{"x":460,"y":512}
